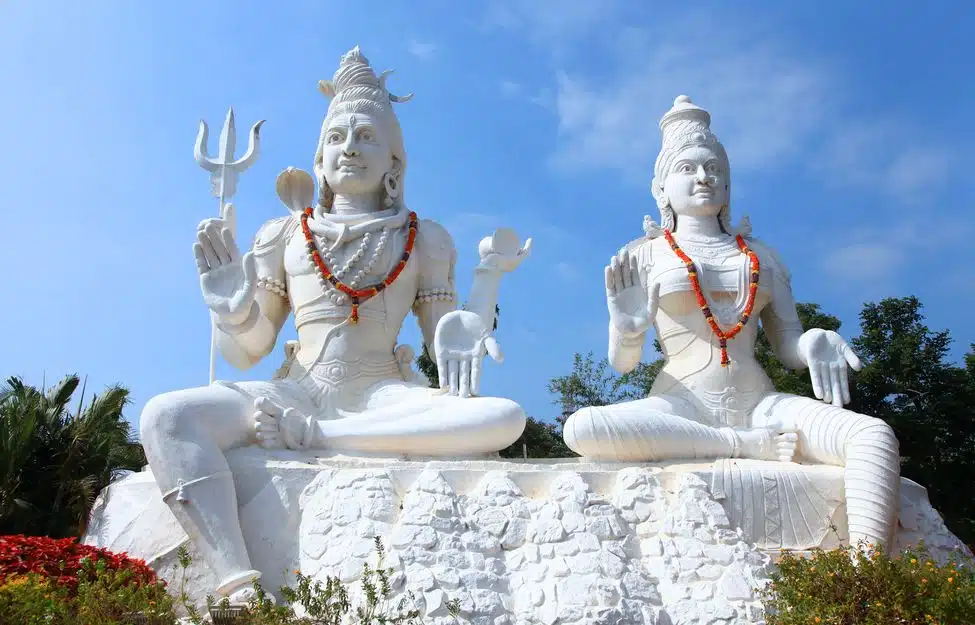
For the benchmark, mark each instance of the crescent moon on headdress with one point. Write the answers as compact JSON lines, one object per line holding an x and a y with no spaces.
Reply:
{"x":392,"y":98}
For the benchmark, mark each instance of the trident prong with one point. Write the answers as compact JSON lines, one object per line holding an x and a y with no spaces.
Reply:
{"x":224,"y":171}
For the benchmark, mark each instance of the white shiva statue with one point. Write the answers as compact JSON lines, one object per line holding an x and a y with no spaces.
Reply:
{"x":350,"y":269}
{"x":703,"y":285}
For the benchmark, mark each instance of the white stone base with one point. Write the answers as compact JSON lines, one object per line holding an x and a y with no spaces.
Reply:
{"x":564,"y":541}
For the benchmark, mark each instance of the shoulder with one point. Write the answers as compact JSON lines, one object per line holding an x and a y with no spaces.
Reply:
{"x":768,"y":256}
{"x":646,"y":249}
{"x":274,"y":232}
{"x":433,"y":241}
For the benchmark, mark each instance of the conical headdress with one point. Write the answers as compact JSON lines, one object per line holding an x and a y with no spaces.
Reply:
{"x":355,"y":88}
{"x":685,"y":125}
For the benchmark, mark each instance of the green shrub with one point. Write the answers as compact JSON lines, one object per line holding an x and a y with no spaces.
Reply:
{"x":867,"y":587}
{"x":104,"y":596}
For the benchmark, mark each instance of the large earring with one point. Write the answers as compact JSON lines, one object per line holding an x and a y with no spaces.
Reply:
{"x":326,"y":197}
{"x":391,"y":184}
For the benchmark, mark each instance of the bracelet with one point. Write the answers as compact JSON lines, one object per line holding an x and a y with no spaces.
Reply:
{"x":432,"y":295}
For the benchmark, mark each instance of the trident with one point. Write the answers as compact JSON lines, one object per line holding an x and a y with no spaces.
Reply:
{"x":223,"y":183}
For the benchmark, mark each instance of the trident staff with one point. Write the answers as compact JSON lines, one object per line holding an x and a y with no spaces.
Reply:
{"x":223,"y":183}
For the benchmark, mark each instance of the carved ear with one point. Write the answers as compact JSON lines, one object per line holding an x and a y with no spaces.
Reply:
{"x":327,"y":88}
{"x":657,"y":191}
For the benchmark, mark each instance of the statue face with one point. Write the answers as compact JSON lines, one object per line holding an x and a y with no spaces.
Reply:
{"x":355,"y":155}
{"x":697,"y":183}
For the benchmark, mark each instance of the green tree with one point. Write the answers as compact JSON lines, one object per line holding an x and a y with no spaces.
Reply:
{"x":55,"y":461}
{"x":909,"y":382}
{"x":542,"y":439}
{"x":594,"y":383}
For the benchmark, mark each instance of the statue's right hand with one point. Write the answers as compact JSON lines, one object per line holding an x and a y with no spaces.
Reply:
{"x":228,"y":280}
{"x":632,"y":306}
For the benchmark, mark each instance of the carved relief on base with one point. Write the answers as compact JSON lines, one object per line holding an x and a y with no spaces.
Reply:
{"x":556,"y":542}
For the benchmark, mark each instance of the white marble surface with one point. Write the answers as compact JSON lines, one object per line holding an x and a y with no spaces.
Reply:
{"x":348,"y":269}
{"x":712,"y":399}
{"x":555,"y":542}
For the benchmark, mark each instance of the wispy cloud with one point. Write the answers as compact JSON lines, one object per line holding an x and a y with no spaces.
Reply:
{"x":890,"y":155}
{"x":767,"y":102}
{"x":516,"y":91}
{"x":772,"y":104}
{"x":422,"y":50}
{"x":874,"y":257}
{"x":550,"y":22}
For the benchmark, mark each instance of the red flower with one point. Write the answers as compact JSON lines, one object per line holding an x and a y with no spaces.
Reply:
{"x":64,"y":559}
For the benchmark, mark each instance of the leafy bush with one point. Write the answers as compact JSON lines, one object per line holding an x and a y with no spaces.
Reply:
{"x":102,"y":596}
{"x":65,"y":561}
{"x":58,"y":452}
{"x":854,"y":587}
{"x":316,"y":603}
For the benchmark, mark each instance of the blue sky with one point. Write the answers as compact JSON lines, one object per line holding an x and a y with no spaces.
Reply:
{"x":848,"y":128}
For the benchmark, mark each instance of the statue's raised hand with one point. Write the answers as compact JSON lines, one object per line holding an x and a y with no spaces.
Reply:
{"x":460,"y":342}
{"x":228,"y":281}
{"x":829,"y":358}
{"x":632,"y":306}
{"x":503,"y":250}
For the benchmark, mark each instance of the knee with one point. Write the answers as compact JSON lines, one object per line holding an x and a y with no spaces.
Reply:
{"x":165,"y":417}
{"x":874,"y":432}
{"x":582,"y":430}
{"x":509,"y":419}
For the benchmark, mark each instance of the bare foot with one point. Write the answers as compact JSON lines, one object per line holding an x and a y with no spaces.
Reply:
{"x":786,"y":445}
{"x":243,"y":596}
{"x":771,"y":443}
{"x":277,"y":427}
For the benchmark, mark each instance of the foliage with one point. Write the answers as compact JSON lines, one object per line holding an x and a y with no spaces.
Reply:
{"x":88,"y":586}
{"x":54,"y":460}
{"x":594,"y":383}
{"x":909,"y":382}
{"x":64,"y":560}
{"x":867,"y":587}
{"x":428,"y":367}
{"x":324,"y":603}
{"x":542,"y":439}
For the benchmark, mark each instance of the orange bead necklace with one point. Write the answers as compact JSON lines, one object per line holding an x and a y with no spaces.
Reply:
{"x":358,"y":295}
{"x":723,"y":337}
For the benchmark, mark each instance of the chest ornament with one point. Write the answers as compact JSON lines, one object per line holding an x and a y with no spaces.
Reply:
{"x":357,"y":296}
{"x":723,"y":336}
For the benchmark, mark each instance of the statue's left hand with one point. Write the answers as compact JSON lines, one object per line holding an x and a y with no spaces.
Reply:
{"x":503,"y":250}
{"x":460,"y":342}
{"x":279,"y":427}
{"x":829,"y":358}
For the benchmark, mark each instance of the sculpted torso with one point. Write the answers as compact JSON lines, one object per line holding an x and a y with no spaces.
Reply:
{"x":356,"y":356}
{"x":693,"y":372}
{"x":703,"y":404}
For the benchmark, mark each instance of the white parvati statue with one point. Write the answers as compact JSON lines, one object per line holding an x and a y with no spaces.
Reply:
{"x":350,"y":269}
{"x":703,"y":286}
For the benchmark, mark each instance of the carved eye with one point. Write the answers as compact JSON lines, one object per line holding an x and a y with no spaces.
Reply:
{"x":334,"y":137}
{"x":365,"y":135}
{"x":686,"y":168}
{"x":712,"y":168}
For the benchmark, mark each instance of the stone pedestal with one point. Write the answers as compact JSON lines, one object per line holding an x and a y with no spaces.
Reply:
{"x":564,"y":541}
